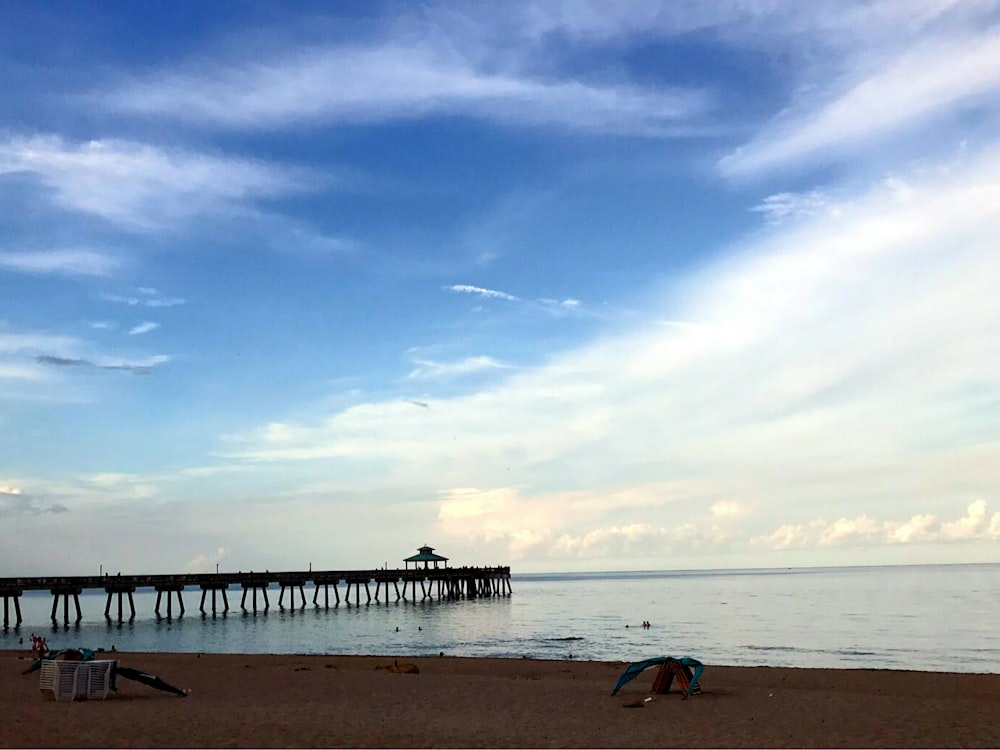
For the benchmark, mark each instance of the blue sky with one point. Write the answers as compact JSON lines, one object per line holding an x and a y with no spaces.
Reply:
{"x":567,"y":285}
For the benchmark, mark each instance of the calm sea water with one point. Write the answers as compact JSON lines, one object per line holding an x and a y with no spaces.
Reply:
{"x":937,"y":618}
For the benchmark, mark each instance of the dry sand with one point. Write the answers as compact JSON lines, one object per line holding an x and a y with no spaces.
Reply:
{"x":338,"y":701}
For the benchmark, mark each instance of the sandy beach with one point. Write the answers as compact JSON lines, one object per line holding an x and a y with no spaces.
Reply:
{"x":347,"y":701}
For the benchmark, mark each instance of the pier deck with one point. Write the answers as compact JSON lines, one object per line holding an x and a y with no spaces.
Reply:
{"x":442,"y":583}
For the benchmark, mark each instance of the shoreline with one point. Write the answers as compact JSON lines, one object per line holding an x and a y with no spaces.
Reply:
{"x":296,"y":700}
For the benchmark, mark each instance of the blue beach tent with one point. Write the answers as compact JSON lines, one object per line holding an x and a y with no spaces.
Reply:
{"x":670,"y":667}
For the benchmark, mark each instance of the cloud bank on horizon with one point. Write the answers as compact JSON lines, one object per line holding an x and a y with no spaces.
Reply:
{"x":571,"y":286}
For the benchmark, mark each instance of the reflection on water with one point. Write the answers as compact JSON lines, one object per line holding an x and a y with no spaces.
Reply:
{"x":927,"y":617}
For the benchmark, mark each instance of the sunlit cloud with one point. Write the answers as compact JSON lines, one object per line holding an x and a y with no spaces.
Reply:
{"x":801,"y":383}
{"x":867,"y":531}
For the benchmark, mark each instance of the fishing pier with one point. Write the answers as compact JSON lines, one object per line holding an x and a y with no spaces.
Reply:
{"x":432,"y":582}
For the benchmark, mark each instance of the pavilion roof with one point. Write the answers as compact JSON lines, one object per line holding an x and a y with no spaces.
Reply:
{"x":426,"y":554}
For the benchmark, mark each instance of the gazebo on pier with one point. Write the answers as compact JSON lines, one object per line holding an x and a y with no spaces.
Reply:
{"x":426,"y":556}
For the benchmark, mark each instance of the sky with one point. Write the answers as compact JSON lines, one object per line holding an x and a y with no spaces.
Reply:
{"x":560,"y":285}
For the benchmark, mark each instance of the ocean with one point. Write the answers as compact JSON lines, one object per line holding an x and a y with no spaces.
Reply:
{"x":929,"y":617}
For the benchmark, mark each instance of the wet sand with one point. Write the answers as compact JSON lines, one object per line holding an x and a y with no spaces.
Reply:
{"x":346,"y":701}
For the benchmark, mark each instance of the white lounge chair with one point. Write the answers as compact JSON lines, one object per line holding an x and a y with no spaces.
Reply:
{"x":77,"y":679}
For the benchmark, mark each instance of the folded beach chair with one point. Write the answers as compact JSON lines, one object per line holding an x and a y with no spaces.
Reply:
{"x":681,"y":670}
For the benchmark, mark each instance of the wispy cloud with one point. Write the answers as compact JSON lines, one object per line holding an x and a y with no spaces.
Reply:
{"x":789,"y":206}
{"x":153,"y":298}
{"x":50,"y":359}
{"x":121,"y":299}
{"x":558,"y":307}
{"x":391,"y":81}
{"x":561,"y":307}
{"x":67,"y":262}
{"x":142,"y":187}
{"x":426,"y":369}
{"x":138,"y":367}
{"x":143,"y":296}
{"x":144,"y":327}
{"x":165,"y":302}
{"x":918,"y":83}
{"x":480,"y":291}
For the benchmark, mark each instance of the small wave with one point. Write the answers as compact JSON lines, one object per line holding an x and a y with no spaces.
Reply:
{"x":567,"y":638}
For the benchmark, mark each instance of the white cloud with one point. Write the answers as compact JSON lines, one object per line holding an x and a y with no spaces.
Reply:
{"x":480,"y":291}
{"x":139,"y":186}
{"x":69,"y":262}
{"x":144,"y":327}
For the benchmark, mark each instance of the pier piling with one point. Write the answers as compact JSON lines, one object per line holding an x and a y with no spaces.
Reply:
{"x":8,"y":594}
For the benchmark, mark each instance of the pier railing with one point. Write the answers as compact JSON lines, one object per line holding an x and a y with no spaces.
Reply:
{"x":442,"y":583}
